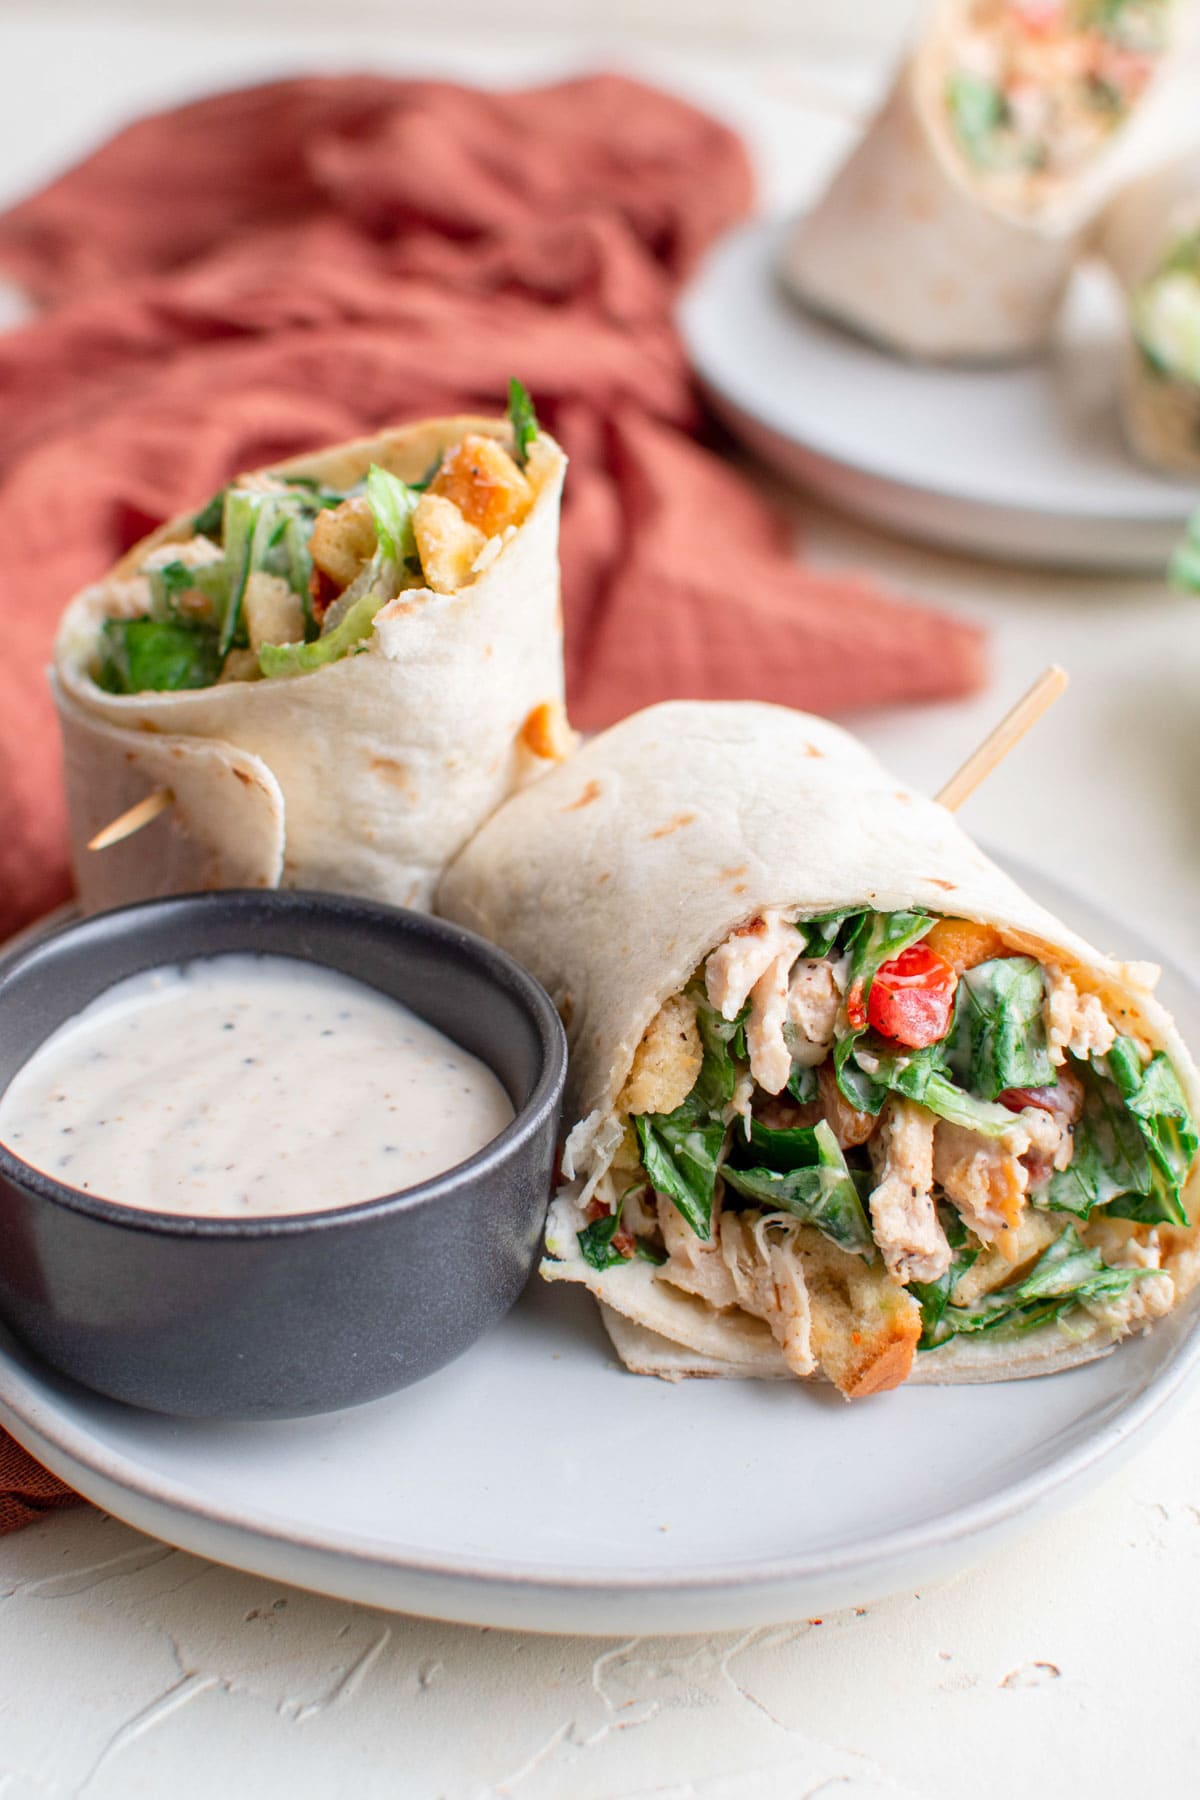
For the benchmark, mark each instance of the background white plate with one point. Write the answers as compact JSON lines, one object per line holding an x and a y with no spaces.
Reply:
{"x":535,"y":1485}
{"x":1024,"y":462}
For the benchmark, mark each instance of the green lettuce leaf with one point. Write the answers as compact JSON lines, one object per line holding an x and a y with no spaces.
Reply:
{"x":681,"y":1155}
{"x":392,"y":503}
{"x":143,"y":655}
{"x":523,"y":419}
{"x":174,"y":579}
{"x":804,"y":1173}
{"x":978,"y":112}
{"x":999,"y":1036}
{"x":347,"y":638}
{"x":1184,"y":570}
{"x":596,"y":1241}
{"x":1134,"y":1142}
{"x":1064,"y":1275}
{"x":934,"y":1296}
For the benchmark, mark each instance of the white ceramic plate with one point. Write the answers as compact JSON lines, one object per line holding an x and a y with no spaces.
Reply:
{"x":1025,"y":462}
{"x":536,"y":1485}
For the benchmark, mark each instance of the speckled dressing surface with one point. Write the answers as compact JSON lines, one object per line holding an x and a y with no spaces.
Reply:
{"x":1064,"y":1663}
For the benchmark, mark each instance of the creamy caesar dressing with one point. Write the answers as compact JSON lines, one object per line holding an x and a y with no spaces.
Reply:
{"x":241,"y":1086}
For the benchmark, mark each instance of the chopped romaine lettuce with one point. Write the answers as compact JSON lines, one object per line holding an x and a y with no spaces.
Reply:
{"x":392,"y":503}
{"x":999,"y":1035}
{"x":934,"y":1296}
{"x":1184,"y":570}
{"x":978,"y":112}
{"x":821,"y":933}
{"x":143,"y":655}
{"x":803,"y":1172}
{"x":347,"y":638}
{"x":1064,"y":1275}
{"x":174,"y":579}
{"x":1134,"y":1142}
{"x":523,"y":420}
{"x":680,"y":1155}
{"x":208,"y":521}
{"x":922,"y":1075}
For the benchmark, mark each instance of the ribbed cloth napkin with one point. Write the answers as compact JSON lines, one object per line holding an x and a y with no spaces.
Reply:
{"x":273,"y":269}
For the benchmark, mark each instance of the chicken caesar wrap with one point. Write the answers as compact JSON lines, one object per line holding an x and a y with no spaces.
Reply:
{"x":951,"y":230}
{"x":336,"y":669}
{"x":1150,"y":236}
{"x":845,"y":1101}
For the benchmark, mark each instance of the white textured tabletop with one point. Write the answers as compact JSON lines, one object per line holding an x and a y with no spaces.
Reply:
{"x":1064,"y":1664}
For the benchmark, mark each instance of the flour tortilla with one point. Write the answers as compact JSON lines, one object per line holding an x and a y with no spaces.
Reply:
{"x":365,"y":776}
{"x":1160,"y":413}
{"x":906,"y":247}
{"x":615,"y":876}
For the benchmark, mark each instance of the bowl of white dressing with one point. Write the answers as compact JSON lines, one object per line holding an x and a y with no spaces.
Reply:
{"x":268,"y":1154}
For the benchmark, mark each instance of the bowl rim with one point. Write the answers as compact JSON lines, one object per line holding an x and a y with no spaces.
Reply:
{"x":456,"y":943}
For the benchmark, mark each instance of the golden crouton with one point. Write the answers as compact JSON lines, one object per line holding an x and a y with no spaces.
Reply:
{"x":446,"y":544}
{"x":485,"y":484}
{"x":865,"y":1328}
{"x":666,"y":1062}
{"x":342,"y":540}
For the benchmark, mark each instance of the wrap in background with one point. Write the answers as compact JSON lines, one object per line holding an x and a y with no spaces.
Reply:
{"x":364,"y":776}
{"x":260,"y":272}
{"x":1150,"y":237}
{"x":615,"y":877}
{"x":913,"y":245}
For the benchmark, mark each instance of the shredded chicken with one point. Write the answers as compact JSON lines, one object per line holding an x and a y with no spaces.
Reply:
{"x":770,"y":1057}
{"x":1140,"y":1304}
{"x":194,"y":553}
{"x":1051,"y":1136}
{"x":903,"y":1217}
{"x":753,"y":964}
{"x":696,"y":1266}
{"x":768,"y":1276}
{"x":1077,"y":1022}
{"x":734,"y":967}
{"x":1123,"y":1243}
{"x":813,"y":1000}
{"x":985,"y":1178}
{"x":273,"y":613}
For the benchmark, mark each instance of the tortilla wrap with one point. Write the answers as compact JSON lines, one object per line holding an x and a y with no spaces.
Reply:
{"x":1160,"y":409}
{"x":364,"y":776}
{"x":907,"y":247}
{"x":619,"y":872}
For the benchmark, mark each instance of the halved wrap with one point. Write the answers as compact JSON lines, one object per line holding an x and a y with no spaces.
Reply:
{"x":337,"y":669}
{"x":951,"y":230}
{"x":1150,"y":236}
{"x":844,"y":1100}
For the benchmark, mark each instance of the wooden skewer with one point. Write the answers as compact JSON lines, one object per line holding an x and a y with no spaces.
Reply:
{"x":1048,"y":687}
{"x":133,"y":819}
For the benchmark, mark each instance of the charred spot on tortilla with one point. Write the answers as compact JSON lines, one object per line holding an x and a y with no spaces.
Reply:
{"x":591,"y":792}
{"x":676,"y":824}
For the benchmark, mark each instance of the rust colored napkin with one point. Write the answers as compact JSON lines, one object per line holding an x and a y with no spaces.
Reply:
{"x":273,"y":269}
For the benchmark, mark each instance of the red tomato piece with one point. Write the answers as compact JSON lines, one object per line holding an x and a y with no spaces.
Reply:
{"x":912,"y":998}
{"x":856,"y":1012}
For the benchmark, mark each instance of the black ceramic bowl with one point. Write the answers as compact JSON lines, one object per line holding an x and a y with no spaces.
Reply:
{"x":275,"y":1317}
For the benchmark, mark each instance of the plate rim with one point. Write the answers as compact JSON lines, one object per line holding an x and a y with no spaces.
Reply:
{"x":1176,"y":500}
{"x":26,"y":1413}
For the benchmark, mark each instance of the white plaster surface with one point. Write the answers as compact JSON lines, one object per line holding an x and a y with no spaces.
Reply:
{"x":1064,"y":1665}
